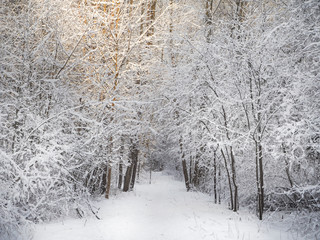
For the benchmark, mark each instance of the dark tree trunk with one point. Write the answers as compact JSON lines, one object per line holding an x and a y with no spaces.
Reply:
{"x":259,"y":162}
{"x":120,"y":176}
{"x":185,"y":173}
{"x":184,"y":167}
{"x":133,"y":178}
{"x":190,"y":172}
{"x":103,"y":185}
{"x":196,"y":174}
{"x":234,"y":197}
{"x":134,"y":159}
{"x":287,"y":167}
{"x":108,"y":183}
{"x":139,"y":169}
{"x":93,"y":183}
{"x":131,"y":172}
{"x":233,"y":169}
{"x":215,"y":176}
{"x":127,"y":179}
{"x":108,"y":170}
{"x":259,"y":176}
{"x":261,"y":183}
{"x":229,"y":179}
{"x":219,"y":177}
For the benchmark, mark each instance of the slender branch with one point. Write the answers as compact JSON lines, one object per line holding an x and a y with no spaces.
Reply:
{"x":70,"y":55}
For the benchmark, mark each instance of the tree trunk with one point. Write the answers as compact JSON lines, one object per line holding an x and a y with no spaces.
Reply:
{"x":229,"y":179}
{"x":219,"y":177}
{"x":133,"y":178}
{"x":185,"y":173}
{"x":127,"y":179}
{"x":184,"y":167}
{"x":150,"y":175}
{"x":108,"y":183}
{"x":152,"y":13}
{"x":120,"y":175}
{"x":190,"y":171}
{"x":287,"y":168}
{"x":103,"y":185}
{"x":233,"y":169}
{"x":260,"y":163}
{"x":261,"y":183}
{"x":151,"y":18}
{"x":215,"y":176}
{"x":139,"y":169}
{"x":134,"y":159}
{"x":196,"y":174}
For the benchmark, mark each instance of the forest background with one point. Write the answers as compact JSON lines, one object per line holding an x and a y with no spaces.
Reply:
{"x":221,"y":93}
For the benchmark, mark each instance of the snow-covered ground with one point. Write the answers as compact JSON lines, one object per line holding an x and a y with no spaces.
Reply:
{"x":162,"y":210}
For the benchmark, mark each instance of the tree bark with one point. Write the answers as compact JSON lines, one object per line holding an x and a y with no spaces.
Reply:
{"x":215,"y":176}
{"x":229,"y":179}
{"x":219,"y":177}
{"x":127,"y":178}
{"x":185,"y":173}
{"x":103,"y":185}
{"x":108,"y":183}
{"x":233,"y":169}
{"x":184,"y":168}
{"x":261,"y":183}
{"x":196,"y":174}
{"x":190,"y":172}
{"x":287,"y":168}
{"x":134,"y":159}
{"x":120,"y":175}
{"x":151,"y":17}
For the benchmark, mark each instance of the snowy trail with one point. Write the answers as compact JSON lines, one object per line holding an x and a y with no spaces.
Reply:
{"x":161,"y":211}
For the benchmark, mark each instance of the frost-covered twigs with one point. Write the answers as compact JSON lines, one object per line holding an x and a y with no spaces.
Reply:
{"x":306,"y":198}
{"x":249,"y":83}
{"x":234,"y":103}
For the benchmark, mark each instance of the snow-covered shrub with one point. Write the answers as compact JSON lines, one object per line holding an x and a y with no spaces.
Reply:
{"x":296,"y":198}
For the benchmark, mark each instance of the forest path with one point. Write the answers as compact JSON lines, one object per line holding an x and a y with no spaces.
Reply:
{"x":162,"y":210}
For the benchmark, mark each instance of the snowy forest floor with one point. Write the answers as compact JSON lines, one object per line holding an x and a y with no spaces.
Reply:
{"x":163,"y":210}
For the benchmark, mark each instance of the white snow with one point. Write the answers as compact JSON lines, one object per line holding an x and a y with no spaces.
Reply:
{"x":162,"y":210}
